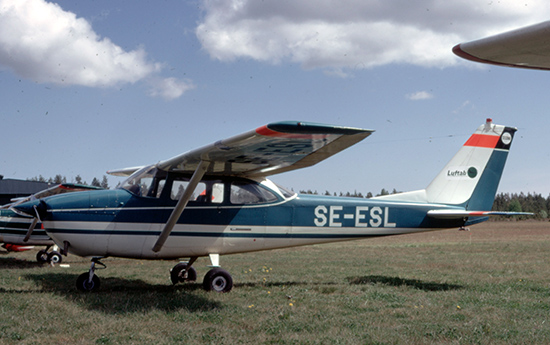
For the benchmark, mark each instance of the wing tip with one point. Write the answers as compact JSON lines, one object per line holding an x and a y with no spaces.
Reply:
{"x":285,"y":128}
{"x":459,"y":50}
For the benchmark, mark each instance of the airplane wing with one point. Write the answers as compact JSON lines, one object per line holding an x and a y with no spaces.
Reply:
{"x":57,"y":189}
{"x":124,"y":171}
{"x":459,"y":214}
{"x":268,"y":150}
{"x":528,"y":47}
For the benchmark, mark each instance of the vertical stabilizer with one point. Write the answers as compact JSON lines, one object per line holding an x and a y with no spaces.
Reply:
{"x":472,"y":176}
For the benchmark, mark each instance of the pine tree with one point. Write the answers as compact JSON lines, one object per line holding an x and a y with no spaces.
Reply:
{"x":104,"y":182}
{"x":95,"y":182}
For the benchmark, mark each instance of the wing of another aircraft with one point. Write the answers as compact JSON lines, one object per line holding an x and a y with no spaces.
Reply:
{"x":269,"y":150}
{"x":528,"y":47}
{"x":57,"y":189}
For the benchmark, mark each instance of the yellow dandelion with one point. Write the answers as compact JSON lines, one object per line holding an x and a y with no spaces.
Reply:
{"x":291,"y":304}
{"x":458,"y":307}
{"x":251,"y":306}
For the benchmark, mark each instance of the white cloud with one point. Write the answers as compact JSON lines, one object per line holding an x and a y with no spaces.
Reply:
{"x":170,"y":88}
{"x":42,"y":42}
{"x":355,"y":34}
{"x":419,"y":96}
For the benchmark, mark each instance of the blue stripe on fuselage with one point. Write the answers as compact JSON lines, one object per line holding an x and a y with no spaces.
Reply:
{"x":304,"y":211}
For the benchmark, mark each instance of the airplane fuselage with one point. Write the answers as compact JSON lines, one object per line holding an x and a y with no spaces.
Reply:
{"x":121,"y":224}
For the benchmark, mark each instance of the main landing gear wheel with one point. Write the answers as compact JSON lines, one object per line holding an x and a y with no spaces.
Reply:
{"x":218,"y":280}
{"x":180,"y":273}
{"x":42,"y":256}
{"x":55,"y":257}
{"x":84,"y":284}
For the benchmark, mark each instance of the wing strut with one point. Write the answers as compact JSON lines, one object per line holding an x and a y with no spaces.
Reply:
{"x":180,"y":206}
{"x":33,"y":224}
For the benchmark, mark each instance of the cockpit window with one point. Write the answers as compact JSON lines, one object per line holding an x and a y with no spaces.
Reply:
{"x":147,"y":181}
{"x":244,"y":192}
{"x":152,"y":182}
{"x":286,"y":192}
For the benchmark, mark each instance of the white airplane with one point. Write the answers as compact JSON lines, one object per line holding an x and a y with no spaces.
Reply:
{"x":217,"y":200}
{"x":527,"y":47}
{"x":20,"y":232}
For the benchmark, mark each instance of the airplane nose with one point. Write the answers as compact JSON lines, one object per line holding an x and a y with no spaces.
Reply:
{"x":33,"y":208}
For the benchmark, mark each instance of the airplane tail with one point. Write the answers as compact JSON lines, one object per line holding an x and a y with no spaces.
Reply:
{"x":471,"y":178}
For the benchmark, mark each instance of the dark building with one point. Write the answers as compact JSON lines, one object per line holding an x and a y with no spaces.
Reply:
{"x":12,"y":188}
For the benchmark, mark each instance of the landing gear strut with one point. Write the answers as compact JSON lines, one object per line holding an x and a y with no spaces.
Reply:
{"x":89,"y":281}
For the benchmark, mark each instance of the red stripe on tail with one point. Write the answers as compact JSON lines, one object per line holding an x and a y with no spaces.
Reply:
{"x":483,"y":140}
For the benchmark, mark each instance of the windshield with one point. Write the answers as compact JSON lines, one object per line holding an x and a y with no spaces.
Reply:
{"x":144,"y":182}
{"x":286,"y":192}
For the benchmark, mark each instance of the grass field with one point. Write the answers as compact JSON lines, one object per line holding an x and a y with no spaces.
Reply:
{"x":487,"y":286}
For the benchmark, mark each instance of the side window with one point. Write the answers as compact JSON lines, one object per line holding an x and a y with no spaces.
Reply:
{"x":205,"y":192}
{"x":250,"y":193}
{"x":217,"y":193}
{"x":178,"y":187}
{"x":160,"y":187}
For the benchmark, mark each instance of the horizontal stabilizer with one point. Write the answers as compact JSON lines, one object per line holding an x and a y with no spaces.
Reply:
{"x":459,"y":214}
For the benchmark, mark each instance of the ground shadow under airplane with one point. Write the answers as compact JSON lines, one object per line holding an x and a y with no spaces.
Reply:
{"x":126,"y":296}
{"x":396,"y":281}
{"x":14,"y":263}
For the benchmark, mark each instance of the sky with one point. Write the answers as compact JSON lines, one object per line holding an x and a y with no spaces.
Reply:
{"x":89,"y":86}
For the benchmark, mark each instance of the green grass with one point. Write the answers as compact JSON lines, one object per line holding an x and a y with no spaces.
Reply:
{"x":488,"y":286}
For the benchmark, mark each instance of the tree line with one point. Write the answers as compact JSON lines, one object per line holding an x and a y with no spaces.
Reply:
{"x":103,"y":183}
{"x":507,"y":202}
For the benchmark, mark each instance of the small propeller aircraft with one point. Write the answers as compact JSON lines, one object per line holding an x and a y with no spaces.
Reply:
{"x":216,"y":200}
{"x":527,"y":47}
{"x":20,"y":232}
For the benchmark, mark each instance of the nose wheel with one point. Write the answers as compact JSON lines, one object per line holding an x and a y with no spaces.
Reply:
{"x":89,"y":281}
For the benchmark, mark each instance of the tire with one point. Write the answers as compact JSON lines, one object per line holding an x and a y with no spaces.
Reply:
{"x":180,"y":274}
{"x":218,"y":280}
{"x":42,"y":256}
{"x":83,"y":285}
{"x":55,"y":257}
